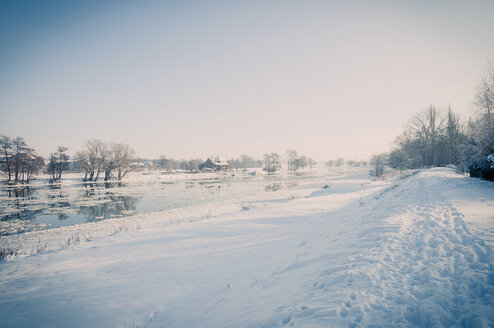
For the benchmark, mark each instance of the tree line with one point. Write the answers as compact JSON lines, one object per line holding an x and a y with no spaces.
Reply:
{"x":19,"y":162}
{"x":341,"y":162}
{"x":272,"y":161}
{"x":170,"y":164}
{"x":435,"y":137}
{"x":113,"y":160}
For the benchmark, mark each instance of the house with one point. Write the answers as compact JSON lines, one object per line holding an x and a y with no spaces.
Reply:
{"x":216,"y":164}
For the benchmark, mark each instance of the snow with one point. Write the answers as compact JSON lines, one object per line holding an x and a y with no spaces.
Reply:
{"x":359,"y":253}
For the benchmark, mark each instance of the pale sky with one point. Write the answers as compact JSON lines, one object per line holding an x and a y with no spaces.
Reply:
{"x":189,"y":79}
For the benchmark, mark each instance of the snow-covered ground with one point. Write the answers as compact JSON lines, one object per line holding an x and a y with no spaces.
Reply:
{"x":359,"y":253}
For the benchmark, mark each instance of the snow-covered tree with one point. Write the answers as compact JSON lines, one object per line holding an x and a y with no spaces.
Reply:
{"x":479,"y":145}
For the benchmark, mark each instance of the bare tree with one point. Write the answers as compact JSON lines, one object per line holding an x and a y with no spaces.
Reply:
{"x":33,"y":165}
{"x":311,"y":162}
{"x":484,"y":97}
{"x":91,"y":159}
{"x":454,"y":137}
{"x":19,"y":161}
{"x":271,"y":162}
{"x":246,"y":161}
{"x":378,"y":164}
{"x":110,"y":161}
{"x":302,"y":162}
{"x":59,"y":161}
{"x":97,"y":153}
{"x":435,"y":126}
{"x":427,"y":126}
{"x":398,"y":159}
{"x":82,"y":163}
{"x":164,"y":163}
{"x":113,"y":160}
{"x":52,"y":167}
{"x":7,"y":148}
{"x":124,"y":157}
{"x":291,"y":158}
{"x":20,"y":152}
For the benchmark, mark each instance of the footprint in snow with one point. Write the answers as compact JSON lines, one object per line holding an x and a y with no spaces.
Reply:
{"x":286,"y":319}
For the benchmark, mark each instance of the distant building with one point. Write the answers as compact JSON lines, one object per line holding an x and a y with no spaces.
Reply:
{"x":217,"y":164}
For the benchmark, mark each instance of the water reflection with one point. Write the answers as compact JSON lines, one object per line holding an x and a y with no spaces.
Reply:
{"x":103,"y":201}
{"x":73,"y":202}
{"x":19,"y":192}
{"x":80,"y":203}
{"x":111,"y":206}
{"x":16,"y":206}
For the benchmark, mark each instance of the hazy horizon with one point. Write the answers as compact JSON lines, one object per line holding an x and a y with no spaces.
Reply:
{"x":193,"y":79}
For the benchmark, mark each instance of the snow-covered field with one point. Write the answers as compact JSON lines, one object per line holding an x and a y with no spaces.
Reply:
{"x":359,"y":253}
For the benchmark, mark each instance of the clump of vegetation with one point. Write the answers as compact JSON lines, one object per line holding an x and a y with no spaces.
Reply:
{"x":246,"y":206}
{"x":6,"y":252}
{"x":272,"y":187}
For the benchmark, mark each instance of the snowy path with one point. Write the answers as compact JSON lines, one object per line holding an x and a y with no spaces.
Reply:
{"x":358,"y":254}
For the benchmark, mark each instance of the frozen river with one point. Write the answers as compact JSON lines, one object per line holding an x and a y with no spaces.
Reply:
{"x":43,"y":206}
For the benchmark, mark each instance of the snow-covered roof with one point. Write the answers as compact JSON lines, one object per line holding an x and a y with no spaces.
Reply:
{"x":220,"y":161}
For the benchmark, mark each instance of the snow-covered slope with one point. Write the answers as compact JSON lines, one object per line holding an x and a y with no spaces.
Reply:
{"x":360,"y":253}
